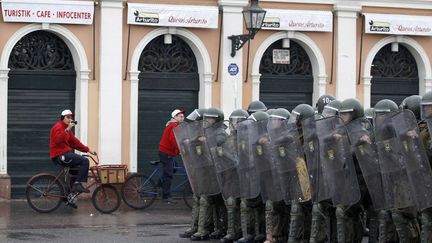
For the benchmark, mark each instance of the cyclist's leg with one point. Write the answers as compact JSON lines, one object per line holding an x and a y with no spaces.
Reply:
{"x":75,"y":160}
{"x":167,"y":168}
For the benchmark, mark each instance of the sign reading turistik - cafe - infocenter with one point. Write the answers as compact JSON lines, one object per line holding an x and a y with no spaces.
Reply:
{"x":65,"y":12}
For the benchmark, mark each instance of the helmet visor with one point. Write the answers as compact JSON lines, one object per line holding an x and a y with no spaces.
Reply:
{"x":193,"y":116}
{"x":329,"y":111}
{"x":426,"y":110}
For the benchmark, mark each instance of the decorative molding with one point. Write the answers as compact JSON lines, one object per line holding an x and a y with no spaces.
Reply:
{"x":414,"y":4}
{"x":233,"y":3}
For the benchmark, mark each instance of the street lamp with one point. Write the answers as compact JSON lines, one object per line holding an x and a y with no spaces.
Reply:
{"x":253,"y":18}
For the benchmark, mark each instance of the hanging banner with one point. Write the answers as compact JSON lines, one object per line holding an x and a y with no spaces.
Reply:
{"x":173,"y":15}
{"x":398,"y":24}
{"x":298,"y":20}
{"x":44,"y":11}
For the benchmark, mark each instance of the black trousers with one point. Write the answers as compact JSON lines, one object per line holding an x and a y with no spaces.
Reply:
{"x":167,"y":173}
{"x":73,"y":160}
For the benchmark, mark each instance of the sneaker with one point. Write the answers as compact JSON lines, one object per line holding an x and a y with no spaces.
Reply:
{"x":72,"y":205}
{"x":169,"y":201}
{"x":77,"y":187}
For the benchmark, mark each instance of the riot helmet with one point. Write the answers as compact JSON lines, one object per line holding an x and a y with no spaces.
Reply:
{"x":382,"y":108}
{"x":332,"y":108}
{"x":412,"y":103}
{"x":238,"y":115}
{"x":259,"y":116}
{"x":213,"y":115}
{"x":426,"y":105}
{"x":196,"y":115}
{"x":255,"y":106}
{"x":300,"y":113}
{"x":323,"y":100}
{"x":281,"y":113}
{"x":351,"y":109}
{"x":270,"y":111}
{"x":369,"y":113}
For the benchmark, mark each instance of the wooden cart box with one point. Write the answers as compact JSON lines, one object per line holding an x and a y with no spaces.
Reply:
{"x":113,"y":174}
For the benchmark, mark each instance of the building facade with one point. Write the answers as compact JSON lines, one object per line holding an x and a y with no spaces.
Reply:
{"x":123,"y":66}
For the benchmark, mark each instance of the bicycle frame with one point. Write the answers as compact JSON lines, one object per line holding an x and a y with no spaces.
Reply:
{"x":65,"y":172}
{"x":177,"y":187}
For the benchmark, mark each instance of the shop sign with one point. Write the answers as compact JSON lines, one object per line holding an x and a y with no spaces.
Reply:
{"x":44,"y":11}
{"x":233,"y":69}
{"x":173,"y":15}
{"x":281,"y":56}
{"x":298,"y":20}
{"x":398,"y":24}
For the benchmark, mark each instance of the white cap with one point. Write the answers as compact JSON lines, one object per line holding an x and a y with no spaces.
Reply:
{"x":67,"y":113}
{"x":176,"y":112}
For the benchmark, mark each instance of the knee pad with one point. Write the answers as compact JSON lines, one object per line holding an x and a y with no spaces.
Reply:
{"x":340,"y":213}
{"x":204,"y":201}
{"x":296,"y":209}
{"x":229,"y":202}
{"x":317,"y":209}
{"x":269,"y":206}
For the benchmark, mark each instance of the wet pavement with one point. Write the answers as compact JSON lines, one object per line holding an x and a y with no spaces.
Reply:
{"x":159,"y":223}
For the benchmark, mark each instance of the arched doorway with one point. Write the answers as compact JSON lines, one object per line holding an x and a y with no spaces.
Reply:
{"x":394,"y":75}
{"x":42,"y":83}
{"x":168,"y":80}
{"x":286,"y":85}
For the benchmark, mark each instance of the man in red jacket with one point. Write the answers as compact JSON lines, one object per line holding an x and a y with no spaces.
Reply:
{"x":62,"y":145}
{"x":168,"y":149}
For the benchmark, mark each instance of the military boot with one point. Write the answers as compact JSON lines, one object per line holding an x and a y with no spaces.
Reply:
{"x":269,"y":221}
{"x":296,"y":225}
{"x":219,"y":218}
{"x":426,"y":226}
{"x":194,"y":226}
{"x":318,"y":227}
{"x":204,"y":212}
{"x":233,"y":220}
{"x":246,"y":222}
{"x":406,"y":225}
{"x":373,"y":226}
{"x":259,"y":212}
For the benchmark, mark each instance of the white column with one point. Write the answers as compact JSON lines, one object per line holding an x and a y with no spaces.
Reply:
{"x":346,"y":48}
{"x":367,"y":91}
{"x":82,"y":105}
{"x":231,"y":85}
{"x":206,"y":93}
{"x":3,"y":119}
{"x":256,"y":80}
{"x":428,"y":86}
{"x":133,"y":121}
{"x":110,"y":83}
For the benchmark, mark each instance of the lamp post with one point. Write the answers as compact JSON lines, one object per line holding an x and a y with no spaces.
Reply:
{"x":254,"y":18}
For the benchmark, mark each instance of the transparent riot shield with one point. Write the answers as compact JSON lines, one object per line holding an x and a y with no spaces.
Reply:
{"x":417,"y":162}
{"x":397,"y":191}
{"x":182,"y":135}
{"x":222,"y":141}
{"x":320,"y":188}
{"x":248,"y":176}
{"x":289,"y":160}
{"x":263,"y":160}
{"x":203,"y":166}
{"x":337,"y":163}
{"x":360,"y":133}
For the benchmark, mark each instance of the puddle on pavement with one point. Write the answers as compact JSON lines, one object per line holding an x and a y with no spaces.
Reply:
{"x":27,"y":236}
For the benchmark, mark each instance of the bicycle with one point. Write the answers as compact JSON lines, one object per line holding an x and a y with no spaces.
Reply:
{"x":45,"y":192}
{"x":140,"y":191}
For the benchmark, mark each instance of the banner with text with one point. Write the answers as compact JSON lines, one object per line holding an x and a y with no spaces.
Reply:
{"x":398,"y":24}
{"x":173,"y":15}
{"x":63,"y":12}
{"x":298,"y":20}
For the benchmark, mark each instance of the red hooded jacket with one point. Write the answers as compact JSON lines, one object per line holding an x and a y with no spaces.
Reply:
{"x":168,"y":143}
{"x":63,"y":142}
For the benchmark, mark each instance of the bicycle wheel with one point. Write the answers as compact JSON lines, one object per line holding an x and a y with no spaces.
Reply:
{"x":188,"y":195}
{"x":44,"y":193}
{"x":106,"y":198}
{"x":139,"y":192}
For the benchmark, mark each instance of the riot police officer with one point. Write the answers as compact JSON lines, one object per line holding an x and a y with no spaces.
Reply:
{"x":395,"y":178}
{"x":300,"y":211}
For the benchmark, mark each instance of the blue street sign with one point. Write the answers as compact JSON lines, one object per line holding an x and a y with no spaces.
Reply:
{"x":233,"y":69}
